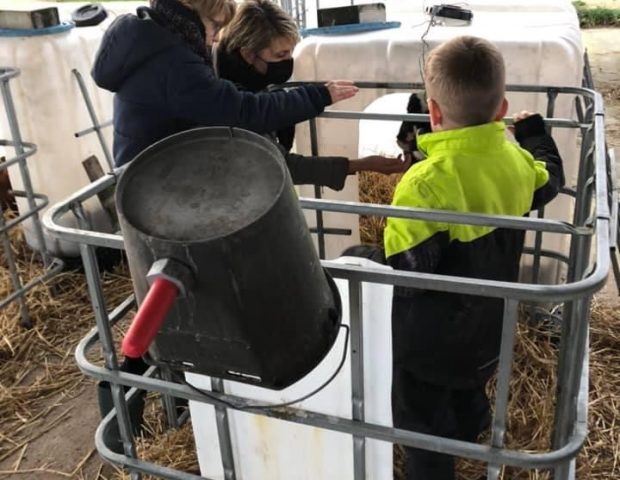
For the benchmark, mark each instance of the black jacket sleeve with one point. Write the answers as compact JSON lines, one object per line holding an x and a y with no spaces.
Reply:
{"x":195,"y":94}
{"x":424,"y":258}
{"x":532,"y":136}
{"x":323,"y":171}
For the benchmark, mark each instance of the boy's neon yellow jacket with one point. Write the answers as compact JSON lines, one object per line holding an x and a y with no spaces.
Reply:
{"x":450,"y":338}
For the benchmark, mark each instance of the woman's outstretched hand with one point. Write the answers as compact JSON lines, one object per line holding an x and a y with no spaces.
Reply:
{"x":341,"y":90}
{"x":380,"y":164}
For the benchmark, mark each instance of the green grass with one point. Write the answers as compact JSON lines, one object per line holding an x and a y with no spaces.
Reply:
{"x":590,"y":17}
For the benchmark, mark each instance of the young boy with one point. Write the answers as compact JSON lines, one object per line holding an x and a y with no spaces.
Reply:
{"x":445,"y":345}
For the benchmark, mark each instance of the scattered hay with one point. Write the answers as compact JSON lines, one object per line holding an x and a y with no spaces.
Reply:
{"x":37,"y":369}
{"x":170,"y":448}
{"x":375,"y":188}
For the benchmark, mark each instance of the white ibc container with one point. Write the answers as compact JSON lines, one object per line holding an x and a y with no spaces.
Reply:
{"x":270,"y":449}
{"x":541,"y":44}
{"x":50,"y":110}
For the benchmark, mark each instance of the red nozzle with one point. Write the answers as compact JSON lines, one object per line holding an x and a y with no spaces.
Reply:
{"x":151,"y":314}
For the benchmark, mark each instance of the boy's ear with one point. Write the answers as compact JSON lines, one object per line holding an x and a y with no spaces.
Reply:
{"x":247,"y":55}
{"x":503,"y":109}
{"x":435,"y":113}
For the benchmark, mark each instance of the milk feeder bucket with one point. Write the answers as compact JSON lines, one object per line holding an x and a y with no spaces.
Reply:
{"x":223,"y":266}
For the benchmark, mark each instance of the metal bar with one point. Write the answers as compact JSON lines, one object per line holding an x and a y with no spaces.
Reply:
{"x":405,"y":279}
{"x":344,"y":425}
{"x":614,"y":227}
{"x":615,"y":265}
{"x":582,"y":400}
{"x":93,"y":117}
{"x":86,"y":131}
{"x":503,"y":381}
{"x":223,"y":433}
{"x":168,"y":402}
{"x":521,"y":88}
{"x":552,"y":95}
{"x":23,"y":167}
{"x":567,"y":408}
{"x":133,"y":463}
{"x":314,"y":149}
{"x":588,"y":80}
{"x":548,"y":253}
{"x":580,"y":114}
{"x":5,"y":227}
{"x":356,"y":311}
{"x":53,"y":269}
{"x":573,"y":334}
{"x":333,"y":231}
{"x":446,"y":216}
{"x":95,"y":292}
{"x":537,"y":247}
{"x":419,"y":117}
{"x":602,"y":207}
{"x":29,"y":149}
{"x":51,"y":219}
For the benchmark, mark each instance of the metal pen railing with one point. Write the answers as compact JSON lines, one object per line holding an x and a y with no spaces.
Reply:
{"x":590,"y":229}
{"x":35,"y":203}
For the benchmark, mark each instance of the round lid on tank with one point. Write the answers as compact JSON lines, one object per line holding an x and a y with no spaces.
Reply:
{"x":201,"y":184}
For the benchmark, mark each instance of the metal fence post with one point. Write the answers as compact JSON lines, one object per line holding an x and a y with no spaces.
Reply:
{"x":356,"y":312}
{"x":95,"y":291}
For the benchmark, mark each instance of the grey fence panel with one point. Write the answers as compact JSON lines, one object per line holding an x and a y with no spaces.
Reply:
{"x":589,"y":231}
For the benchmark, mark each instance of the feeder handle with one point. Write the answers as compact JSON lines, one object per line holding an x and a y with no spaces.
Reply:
{"x":151,"y":314}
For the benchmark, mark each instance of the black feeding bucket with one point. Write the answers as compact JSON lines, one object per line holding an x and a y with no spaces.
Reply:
{"x":223,"y":265}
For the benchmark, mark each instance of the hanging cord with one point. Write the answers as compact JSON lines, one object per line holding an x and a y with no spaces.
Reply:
{"x":425,"y":46}
{"x":265,"y":406}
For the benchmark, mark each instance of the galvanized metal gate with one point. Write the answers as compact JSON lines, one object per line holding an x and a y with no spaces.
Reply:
{"x":588,"y":263}
{"x":35,"y":203}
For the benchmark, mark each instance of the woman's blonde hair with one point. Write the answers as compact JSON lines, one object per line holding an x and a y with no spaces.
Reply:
{"x":211,"y":8}
{"x":256,"y":24}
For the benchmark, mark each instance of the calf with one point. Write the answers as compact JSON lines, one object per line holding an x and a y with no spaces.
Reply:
{"x":7,"y":200}
{"x":406,"y":137}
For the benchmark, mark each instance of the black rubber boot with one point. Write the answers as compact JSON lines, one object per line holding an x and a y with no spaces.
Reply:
{"x":135,"y":406}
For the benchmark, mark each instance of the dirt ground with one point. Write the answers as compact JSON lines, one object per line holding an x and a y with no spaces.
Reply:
{"x":68,"y":448}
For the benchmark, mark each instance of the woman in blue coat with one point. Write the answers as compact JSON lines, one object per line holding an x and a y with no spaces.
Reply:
{"x":159,"y":67}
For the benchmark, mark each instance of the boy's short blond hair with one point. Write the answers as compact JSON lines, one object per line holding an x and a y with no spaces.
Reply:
{"x":256,"y":24}
{"x":466,"y":76}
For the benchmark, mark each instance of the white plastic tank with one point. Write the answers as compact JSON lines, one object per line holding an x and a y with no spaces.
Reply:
{"x":270,"y":449}
{"x":51,"y":110}
{"x":541,"y":44}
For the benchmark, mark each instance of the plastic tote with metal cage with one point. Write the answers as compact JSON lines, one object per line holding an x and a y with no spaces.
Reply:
{"x":16,"y":169}
{"x":592,"y":233}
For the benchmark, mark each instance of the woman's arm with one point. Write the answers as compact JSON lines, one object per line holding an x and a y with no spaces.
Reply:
{"x":195,"y":94}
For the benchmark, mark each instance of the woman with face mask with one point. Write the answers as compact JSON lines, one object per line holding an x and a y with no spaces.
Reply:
{"x":159,"y":67}
{"x":255,"y":51}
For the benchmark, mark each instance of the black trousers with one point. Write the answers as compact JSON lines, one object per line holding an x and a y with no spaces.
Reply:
{"x":461,"y":414}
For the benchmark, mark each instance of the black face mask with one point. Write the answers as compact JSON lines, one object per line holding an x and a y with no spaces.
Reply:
{"x":233,"y":67}
{"x":278,"y":72}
